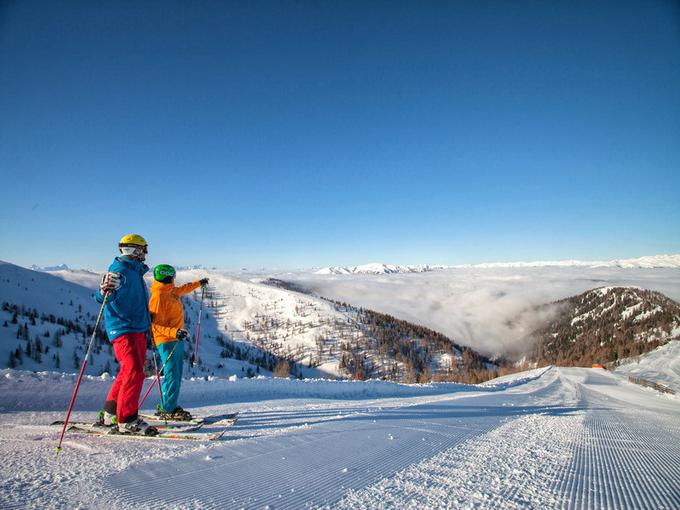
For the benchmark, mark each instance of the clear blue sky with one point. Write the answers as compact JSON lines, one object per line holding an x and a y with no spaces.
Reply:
{"x":293,"y":134}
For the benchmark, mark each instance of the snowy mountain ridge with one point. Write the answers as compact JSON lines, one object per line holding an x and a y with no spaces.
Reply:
{"x":60,"y":267}
{"x":376,"y":268}
{"x":645,"y":262}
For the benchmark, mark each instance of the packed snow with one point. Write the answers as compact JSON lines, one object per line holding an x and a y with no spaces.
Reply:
{"x":555,"y":438}
{"x":662,"y":366}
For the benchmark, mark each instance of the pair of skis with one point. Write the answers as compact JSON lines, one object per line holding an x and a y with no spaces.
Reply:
{"x":172,"y":430}
{"x":216,"y":419}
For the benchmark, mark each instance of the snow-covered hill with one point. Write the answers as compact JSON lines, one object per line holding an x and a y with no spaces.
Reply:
{"x":250,"y":326}
{"x":606,"y":324}
{"x":662,"y":366}
{"x":46,"y":320}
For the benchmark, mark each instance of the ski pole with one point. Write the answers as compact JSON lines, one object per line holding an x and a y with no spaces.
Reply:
{"x":198,"y":327}
{"x":82,"y":371}
{"x":157,"y":380}
{"x":158,"y":377}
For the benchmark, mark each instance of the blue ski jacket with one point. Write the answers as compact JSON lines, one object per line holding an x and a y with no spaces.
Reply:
{"x":126,"y":309}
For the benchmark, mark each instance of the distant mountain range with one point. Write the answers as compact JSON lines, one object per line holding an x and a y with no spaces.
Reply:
{"x":647,"y":262}
{"x":60,"y":267}
{"x":377,"y":268}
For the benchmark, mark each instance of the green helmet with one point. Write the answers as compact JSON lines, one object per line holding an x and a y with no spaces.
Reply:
{"x":164,"y":273}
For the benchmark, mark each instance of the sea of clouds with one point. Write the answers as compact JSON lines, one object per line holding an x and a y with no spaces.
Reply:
{"x":489,"y":309}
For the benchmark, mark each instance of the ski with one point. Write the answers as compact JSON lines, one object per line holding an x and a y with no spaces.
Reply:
{"x":218,"y":419}
{"x":171,"y":434}
{"x":178,"y":427}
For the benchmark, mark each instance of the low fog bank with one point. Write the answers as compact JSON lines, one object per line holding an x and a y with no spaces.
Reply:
{"x":491,"y":310}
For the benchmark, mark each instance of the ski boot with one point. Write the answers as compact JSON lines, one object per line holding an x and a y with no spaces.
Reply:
{"x":138,"y":427}
{"x":178,"y":414}
{"x":106,"y":419}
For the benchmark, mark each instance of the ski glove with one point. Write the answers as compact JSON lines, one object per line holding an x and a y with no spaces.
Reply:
{"x":110,"y":282}
{"x":182,"y":334}
{"x":204,"y":282}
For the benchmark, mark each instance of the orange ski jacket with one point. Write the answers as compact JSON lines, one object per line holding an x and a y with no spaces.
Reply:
{"x":167,"y":312}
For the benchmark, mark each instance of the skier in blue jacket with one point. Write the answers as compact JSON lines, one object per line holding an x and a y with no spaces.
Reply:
{"x":127,"y":322}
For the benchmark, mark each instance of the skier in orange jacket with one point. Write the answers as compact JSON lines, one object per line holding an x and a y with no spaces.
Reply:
{"x":167,"y":326}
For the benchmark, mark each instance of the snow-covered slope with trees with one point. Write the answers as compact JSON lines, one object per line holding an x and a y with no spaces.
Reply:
{"x":250,"y":327}
{"x":604,"y":325}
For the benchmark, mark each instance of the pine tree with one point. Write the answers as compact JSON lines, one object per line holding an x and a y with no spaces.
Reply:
{"x":12,"y":360}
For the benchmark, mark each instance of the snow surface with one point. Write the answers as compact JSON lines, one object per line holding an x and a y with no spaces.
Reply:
{"x":561,"y":438}
{"x":662,"y":365}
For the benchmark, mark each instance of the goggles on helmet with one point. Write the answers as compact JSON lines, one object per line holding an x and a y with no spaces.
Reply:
{"x":144,"y":249}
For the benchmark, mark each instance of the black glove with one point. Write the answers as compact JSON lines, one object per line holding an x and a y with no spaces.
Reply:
{"x":182,"y":334}
{"x":203,"y":282}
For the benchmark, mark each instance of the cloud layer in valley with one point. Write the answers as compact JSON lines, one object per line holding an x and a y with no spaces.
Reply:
{"x":489,"y":309}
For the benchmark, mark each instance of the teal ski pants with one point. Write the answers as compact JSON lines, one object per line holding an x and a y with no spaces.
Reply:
{"x":172,"y":372}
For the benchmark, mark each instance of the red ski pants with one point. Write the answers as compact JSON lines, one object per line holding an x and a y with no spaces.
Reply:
{"x":130,"y":350}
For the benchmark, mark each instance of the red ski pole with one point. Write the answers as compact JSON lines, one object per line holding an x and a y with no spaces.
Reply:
{"x":158,"y":378}
{"x":198,"y":328}
{"x":80,"y":375}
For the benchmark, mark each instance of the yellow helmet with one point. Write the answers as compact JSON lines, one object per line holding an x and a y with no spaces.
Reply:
{"x":132,"y":240}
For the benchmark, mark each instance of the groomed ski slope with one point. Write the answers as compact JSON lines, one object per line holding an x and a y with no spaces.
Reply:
{"x":566,"y":438}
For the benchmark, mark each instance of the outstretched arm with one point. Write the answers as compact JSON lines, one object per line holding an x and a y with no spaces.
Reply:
{"x":186,"y":288}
